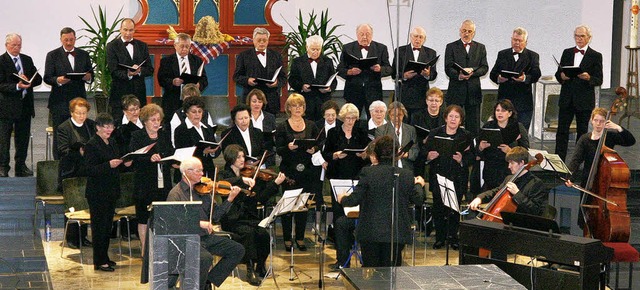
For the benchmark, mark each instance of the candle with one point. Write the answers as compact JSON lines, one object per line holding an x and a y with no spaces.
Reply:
{"x":633,"y":30}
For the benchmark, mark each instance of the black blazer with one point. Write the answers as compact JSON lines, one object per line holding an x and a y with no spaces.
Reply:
{"x":367,"y":78}
{"x":67,"y":136}
{"x":146,"y":172}
{"x":374,"y":194}
{"x":461,"y":92}
{"x":103,"y":182}
{"x":13,"y":105}
{"x":121,"y":85}
{"x":122,"y":135}
{"x":248,"y":66}
{"x":577,"y":92}
{"x":414,"y":90}
{"x":57,"y":64}
{"x":348,"y":167}
{"x":170,"y":69}
{"x":234,"y":137}
{"x":301,"y":74}
{"x":189,"y":137}
{"x":520,"y":93}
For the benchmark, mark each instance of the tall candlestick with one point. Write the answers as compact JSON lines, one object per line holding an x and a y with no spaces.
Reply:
{"x":633,"y":30}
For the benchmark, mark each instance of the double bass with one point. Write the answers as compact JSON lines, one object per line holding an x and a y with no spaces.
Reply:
{"x":606,"y":217}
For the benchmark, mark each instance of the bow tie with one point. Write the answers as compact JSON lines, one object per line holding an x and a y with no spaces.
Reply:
{"x":467,"y":44}
{"x":73,"y":53}
{"x":416,"y":48}
{"x":576,"y":50}
{"x":127,"y":43}
{"x":515,"y":53}
{"x":365,"y":47}
{"x":260,"y":52}
{"x":312,"y":60}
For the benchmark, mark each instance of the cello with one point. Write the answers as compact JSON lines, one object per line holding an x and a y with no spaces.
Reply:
{"x":607,"y":218}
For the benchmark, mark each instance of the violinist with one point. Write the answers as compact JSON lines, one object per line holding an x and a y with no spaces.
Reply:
{"x":243,"y":217}
{"x":243,"y":134}
{"x":527,"y":190}
{"x":588,"y":143}
{"x":230,"y":251}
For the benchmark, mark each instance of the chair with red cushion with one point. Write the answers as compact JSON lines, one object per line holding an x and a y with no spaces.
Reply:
{"x":623,"y":252}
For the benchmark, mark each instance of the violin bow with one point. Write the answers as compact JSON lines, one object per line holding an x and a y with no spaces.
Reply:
{"x":255,"y":175}
{"x":213,"y":194}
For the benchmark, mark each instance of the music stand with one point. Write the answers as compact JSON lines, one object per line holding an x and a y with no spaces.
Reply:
{"x":450,"y":200}
{"x":528,"y":221}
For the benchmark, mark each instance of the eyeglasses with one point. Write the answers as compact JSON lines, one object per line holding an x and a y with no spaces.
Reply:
{"x":579,"y":35}
{"x":351,"y":118}
{"x":133,"y":110}
{"x":196,"y":170}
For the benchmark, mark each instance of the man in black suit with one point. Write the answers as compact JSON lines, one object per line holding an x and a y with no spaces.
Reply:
{"x":16,"y":109}
{"x":414,"y":84}
{"x":59,"y":62}
{"x":464,"y":85}
{"x":313,"y":68}
{"x":577,"y":95}
{"x":363,"y":86}
{"x":517,"y":88}
{"x":171,"y":67}
{"x":125,"y":50}
{"x":243,"y":134}
{"x":260,"y":62}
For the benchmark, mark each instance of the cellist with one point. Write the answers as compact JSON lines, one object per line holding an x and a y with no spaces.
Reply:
{"x":527,"y":189}
{"x":588,"y":143}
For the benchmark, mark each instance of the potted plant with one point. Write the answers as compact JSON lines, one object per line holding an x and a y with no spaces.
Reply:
{"x":99,"y":34}
{"x":296,"y":40}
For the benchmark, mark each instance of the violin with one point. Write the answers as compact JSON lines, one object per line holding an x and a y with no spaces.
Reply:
{"x":262,"y":174}
{"x":222,"y":187}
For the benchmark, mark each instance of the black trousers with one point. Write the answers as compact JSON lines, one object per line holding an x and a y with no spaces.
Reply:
{"x":344,"y":228}
{"x":102,"y":212}
{"x":375,"y":254}
{"x":446,"y":220}
{"x":21,"y":128}
{"x":472,"y":118}
{"x":255,"y":241}
{"x":565,"y":117}
{"x":230,"y":253}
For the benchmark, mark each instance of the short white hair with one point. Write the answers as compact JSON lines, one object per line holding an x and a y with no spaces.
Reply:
{"x":261,"y":30}
{"x":376,"y":104}
{"x":364,"y":25}
{"x":418,"y":30}
{"x":10,"y":36}
{"x":189,"y":163}
{"x":587,"y":29}
{"x":315,"y":39}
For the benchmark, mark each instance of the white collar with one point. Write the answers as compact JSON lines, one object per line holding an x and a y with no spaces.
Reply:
{"x":260,"y":118}
{"x":76,"y":123}
{"x":584,"y":48}
{"x":190,"y":125}
{"x":372,"y":125}
{"x":122,"y":38}
{"x":126,"y":121}
{"x":328,"y":126}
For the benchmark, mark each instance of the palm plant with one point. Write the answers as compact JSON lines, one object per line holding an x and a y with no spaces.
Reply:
{"x":99,"y":34}
{"x":296,"y":40}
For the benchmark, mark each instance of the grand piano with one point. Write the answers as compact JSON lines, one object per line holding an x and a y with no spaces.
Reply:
{"x":573,"y":262}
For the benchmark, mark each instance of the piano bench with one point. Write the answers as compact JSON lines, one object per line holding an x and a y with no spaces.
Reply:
{"x":623,"y":252}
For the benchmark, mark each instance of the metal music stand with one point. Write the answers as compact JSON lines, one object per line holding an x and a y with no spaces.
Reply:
{"x":450,"y":200}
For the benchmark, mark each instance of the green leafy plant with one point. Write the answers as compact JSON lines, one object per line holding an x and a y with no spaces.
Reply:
{"x":99,"y":34}
{"x":296,"y":40}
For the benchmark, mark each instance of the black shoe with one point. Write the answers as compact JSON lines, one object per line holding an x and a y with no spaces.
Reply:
{"x":86,"y":242}
{"x":261,"y":270}
{"x":72,"y":245}
{"x":106,"y":268}
{"x":23,"y":171}
{"x":455,"y":246}
{"x":112,"y":264}
{"x":438,"y":245}
{"x":251,"y":275}
{"x":4,"y":172}
{"x":287,"y":248}
{"x":301,"y":245}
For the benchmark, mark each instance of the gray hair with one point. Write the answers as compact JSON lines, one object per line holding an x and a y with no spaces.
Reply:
{"x":521,"y":31}
{"x":183,"y":37}
{"x":261,"y":30}
{"x":314,"y":39}
{"x":189,"y":163}
{"x":470,"y":22}
{"x":418,"y":30}
{"x":376,"y":104}
{"x":10,"y":36}
{"x":586,"y":28}
{"x":364,"y":25}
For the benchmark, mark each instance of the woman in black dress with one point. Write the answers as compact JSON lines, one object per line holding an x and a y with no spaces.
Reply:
{"x":130,"y":122}
{"x":152,"y":178}
{"x":296,"y":162}
{"x":103,"y":188}
{"x":454,"y":168}
{"x":263,"y":120}
{"x":193,"y":130}
{"x":496,"y":168}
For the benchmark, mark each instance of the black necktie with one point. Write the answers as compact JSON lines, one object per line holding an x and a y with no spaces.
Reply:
{"x":516,"y":53}
{"x":416,"y":48}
